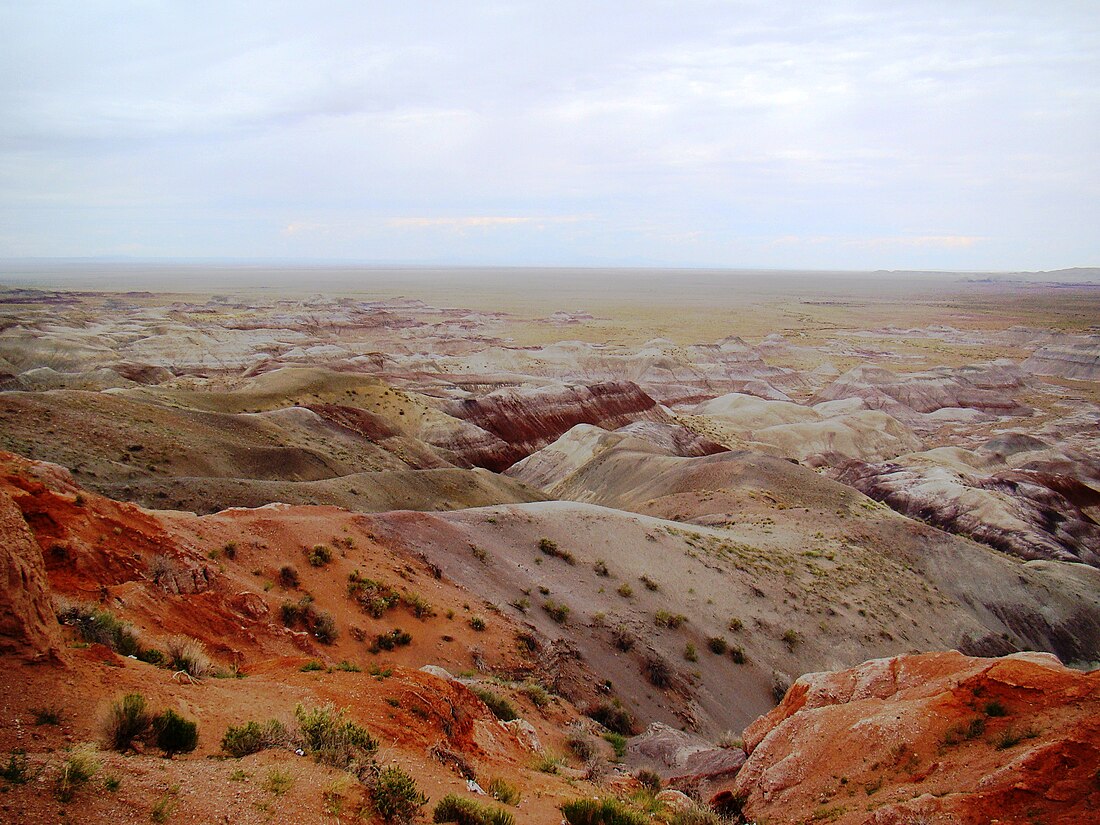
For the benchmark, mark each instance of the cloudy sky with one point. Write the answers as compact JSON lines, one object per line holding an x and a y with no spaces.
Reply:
{"x":956,"y":135}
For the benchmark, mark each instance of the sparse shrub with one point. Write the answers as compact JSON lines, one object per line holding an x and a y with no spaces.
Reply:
{"x":394,"y":795}
{"x":781,"y":683}
{"x":550,"y":548}
{"x":278,"y":781}
{"x":696,"y":815}
{"x":522,"y":604}
{"x":99,"y":626}
{"x":613,"y":716}
{"x":502,"y":791}
{"x":230,"y":550}
{"x":617,"y":742}
{"x":690,"y":653}
{"x":253,"y":737}
{"x":791,"y":638}
{"x":174,"y":734}
{"x":479,"y":553}
{"x":649,"y":583}
{"x":323,"y":626}
{"x":452,"y":808}
{"x":312,"y":666}
{"x":421,"y":608}
{"x":348,"y":667}
{"x":622,"y":638}
{"x":650,"y":780}
{"x":737,"y":653}
{"x":717,"y":645}
{"x":288,"y":577}
{"x":17,"y":771}
{"x":548,"y":763}
{"x":995,"y":709}
{"x":164,"y":807}
{"x":662,"y":618}
{"x":625,"y":590}
{"x":390,"y":641}
{"x":558,"y":611}
{"x":607,"y":811}
{"x":319,"y":556}
{"x":657,"y":670}
{"x":48,"y":715}
{"x":477,"y":623}
{"x":735,"y":624}
{"x":151,"y":656}
{"x":502,"y":709}
{"x":126,"y":721}
{"x":537,"y":694}
{"x":1012,"y":737}
{"x":81,"y":764}
{"x":373,"y":596}
{"x":962,"y":732}
{"x":332,"y":738}
{"x":600,"y":566}
{"x":581,"y":744}
{"x":189,"y":655}
{"x":730,"y":741}
{"x":112,"y":783}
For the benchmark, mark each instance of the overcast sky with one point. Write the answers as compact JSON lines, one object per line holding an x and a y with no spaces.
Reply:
{"x":955,"y":135}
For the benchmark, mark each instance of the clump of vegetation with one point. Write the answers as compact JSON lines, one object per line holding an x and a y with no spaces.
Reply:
{"x":99,"y":626}
{"x":278,"y":781}
{"x":960,"y":732}
{"x":502,"y":709}
{"x":374,"y":597}
{"x":478,"y":623}
{"x":622,"y":638}
{"x":617,"y":742}
{"x":390,"y":641}
{"x":607,"y":811}
{"x":188,"y":655}
{"x":421,"y":608}
{"x":580,"y":744}
{"x":995,"y":709}
{"x":690,"y":653}
{"x":550,"y":548}
{"x":649,"y":780}
{"x":662,"y":618}
{"x":319,"y":556}
{"x":625,"y":590}
{"x":717,"y":645}
{"x":394,"y":795}
{"x":1011,"y":737}
{"x":600,"y":566}
{"x":174,"y":734}
{"x":479,"y":553}
{"x":312,"y":666}
{"x":649,"y":583}
{"x":305,"y":614}
{"x":613,"y":716}
{"x":558,"y":611}
{"x":737,"y":653}
{"x":253,"y":737}
{"x":538,"y":695}
{"x":230,"y":550}
{"x":80,"y":764}
{"x":502,"y":791}
{"x":791,"y":638}
{"x":288,"y":577}
{"x":657,"y":670}
{"x":452,"y":808}
{"x":48,"y":715}
{"x":330,"y":737}
{"x":548,"y":763}
{"x":127,"y":721}
{"x":347,"y":667}
{"x":17,"y":771}
{"x":735,"y":625}
{"x":165,"y":806}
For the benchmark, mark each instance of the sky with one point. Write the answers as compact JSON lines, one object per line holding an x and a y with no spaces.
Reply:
{"x":960,"y":135}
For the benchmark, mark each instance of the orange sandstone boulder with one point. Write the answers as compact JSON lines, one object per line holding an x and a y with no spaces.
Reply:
{"x":27,"y":624}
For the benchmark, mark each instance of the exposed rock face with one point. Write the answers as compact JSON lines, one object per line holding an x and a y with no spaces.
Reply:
{"x":1027,"y":514}
{"x":28,"y":627}
{"x":1080,"y":361}
{"x":528,"y":420}
{"x":926,"y":392}
{"x":939,"y":736}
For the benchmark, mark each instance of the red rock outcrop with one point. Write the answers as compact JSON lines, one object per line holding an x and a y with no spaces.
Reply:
{"x":937,"y":737}
{"x":28,"y":627}
{"x":528,"y":420}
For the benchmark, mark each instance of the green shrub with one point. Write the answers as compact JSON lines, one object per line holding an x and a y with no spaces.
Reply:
{"x":478,"y":623}
{"x":502,"y":791}
{"x":421,"y":608}
{"x":613,"y":716}
{"x":319,"y":556}
{"x":99,"y":626}
{"x":696,"y":815}
{"x":600,"y":566}
{"x":174,"y":734}
{"x":126,"y":721}
{"x":717,"y":645}
{"x":601,"y":812}
{"x":389,"y":641}
{"x":657,"y":670}
{"x":557,"y":611}
{"x":550,"y":548}
{"x":253,"y":737}
{"x":649,"y":583}
{"x":690,"y":654}
{"x":373,"y":596}
{"x":453,"y":808}
{"x":332,"y":738}
{"x":502,"y":709}
{"x":625,"y":590}
{"x":737,"y":653}
{"x":395,"y":796}
{"x":617,"y":742}
{"x":662,"y":618}
{"x":791,"y":638}
{"x":537,"y":694}
{"x":151,"y":656}
{"x":81,"y":764}
{"x":278,"y":781}
{"x":288,"y":577}
{"x":650,"y":780}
